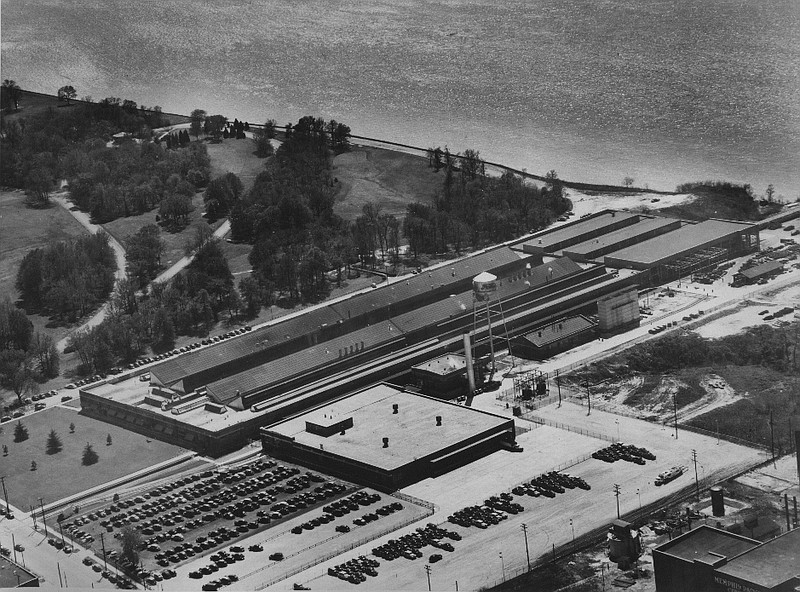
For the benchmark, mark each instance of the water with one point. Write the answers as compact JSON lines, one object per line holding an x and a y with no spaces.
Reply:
{"x":664,"y":91}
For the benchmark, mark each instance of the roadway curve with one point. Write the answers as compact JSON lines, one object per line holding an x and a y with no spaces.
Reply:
{"x":119,"y":254}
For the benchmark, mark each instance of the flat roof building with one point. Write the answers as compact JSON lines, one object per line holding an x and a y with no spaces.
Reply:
{"x":578,"y":231}
{"x":553,"y":338}
{"x":708,"y":559}
{"x":388,"y":438}
{"x":686,"y":240}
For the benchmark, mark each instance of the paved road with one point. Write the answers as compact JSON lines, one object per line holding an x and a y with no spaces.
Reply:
{"x":119,"y":254}
{"x":184,"y":261}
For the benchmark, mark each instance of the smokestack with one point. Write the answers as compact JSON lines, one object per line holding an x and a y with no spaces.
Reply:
{"x":438,"y":420}
{"x":470,"y":369}
{"x":386,"y":442}
{"x":395,"y":407}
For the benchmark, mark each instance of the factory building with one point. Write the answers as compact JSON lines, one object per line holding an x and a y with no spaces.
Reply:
{"x":444,"y":377}
{"x":708,"y":559}
{"x":215,"y":398}
{"x":387,"y":438}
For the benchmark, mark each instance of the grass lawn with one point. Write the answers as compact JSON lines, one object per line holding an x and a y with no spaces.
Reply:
{"x":391,"y":179}
{"x":238,"y":157}
{"x":62,"y":474}
{"x":24,"y":229}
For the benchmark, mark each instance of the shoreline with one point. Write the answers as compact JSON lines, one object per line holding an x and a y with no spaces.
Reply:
{"x":419,"y":151}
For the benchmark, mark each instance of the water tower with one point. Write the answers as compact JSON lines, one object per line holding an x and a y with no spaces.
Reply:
{"x":486,"y":307}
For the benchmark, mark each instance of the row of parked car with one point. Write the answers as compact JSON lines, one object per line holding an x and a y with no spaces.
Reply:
{"x":170,"y":511}
{"x":409,"y":545}
{"x":627,"y":452}
{"x":355,"y":570}
{"x":376,"y":515}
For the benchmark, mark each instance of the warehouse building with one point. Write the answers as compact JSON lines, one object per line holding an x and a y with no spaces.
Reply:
{"x":708,"y":559}
{"x":554,"y":338}
{"x":444,"y":377}
{"x":387,"y":438}
{"x":692,"y":247}
{"x":752,"y":275}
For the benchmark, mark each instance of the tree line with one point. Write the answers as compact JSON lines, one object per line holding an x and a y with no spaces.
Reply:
{"x":67,"y":279}
{"x":190,"y":304}
{"x":130,"y":179}
{"x":26,"y":356}
{"x":473,"y":210}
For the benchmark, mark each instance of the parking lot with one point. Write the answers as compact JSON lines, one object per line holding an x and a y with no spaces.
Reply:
{"x":476,"y":559}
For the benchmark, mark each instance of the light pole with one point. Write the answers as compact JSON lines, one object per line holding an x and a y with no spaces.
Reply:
{"x":427,"y":567}
{"x":639,"y":495}
{"x":5,"y":494}
{"x":572,"y":526}
{"x":616,"y":421}
{"x":524,"y":528}
{"x":41,"y":505}
{"x":502,"y":565}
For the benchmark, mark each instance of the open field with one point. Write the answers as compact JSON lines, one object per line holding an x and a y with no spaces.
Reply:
{"x":235,"y":156}
{"x":62,"y":474}
{"x":23,"y":229}
{"x":390,"y":179}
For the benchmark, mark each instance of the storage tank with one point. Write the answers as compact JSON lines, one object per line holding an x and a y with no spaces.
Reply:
{"x":717,"y":502}
{"x":484,"y":286}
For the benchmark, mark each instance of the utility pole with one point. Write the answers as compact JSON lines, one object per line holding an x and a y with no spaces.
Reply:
{"x":616,"y":493}
{"x":772,"y":436}
{"x":103,"y":544}
{"x":696,"y":480}
{"x":558,"y":384}
{"x":524,"y":528}
{"x":41,"y":505}
{"x":502,"y":565}
{"x":588,"y":397}
{"x":5,"y":494}
{"x":14,"y":547}
{"x":675,"y":411}
{"x":60,"y":583}
{"x":428,"y":573}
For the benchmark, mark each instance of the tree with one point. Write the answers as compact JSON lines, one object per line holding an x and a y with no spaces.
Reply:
{"x":628,"y":181}
{"x":143,"y":254}
{"x":65,"y":93}
{"x":38,"y":183}
{"x":71,"y":428}
{"x":45,"y":353}
{"x":253,"y":295}
{"x":53,"y":444}
{"x":198,"y":117}
{"x":89,"y":455}
{"x":20,"y":432}
{"x":214,"y":126}
{"x":163,"y":331}
{"x":5,"y":450}
{"x":108,"y":440}
{"x":33,"y":465}
{"x":131,"y":541}
{"x":10,"y":94}
{"x":770,"y":193}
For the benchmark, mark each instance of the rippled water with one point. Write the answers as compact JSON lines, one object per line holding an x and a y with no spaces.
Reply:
{"x":662,"y":90}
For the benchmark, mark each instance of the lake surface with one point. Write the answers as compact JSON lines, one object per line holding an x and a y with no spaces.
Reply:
{"x":664,"y":91}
